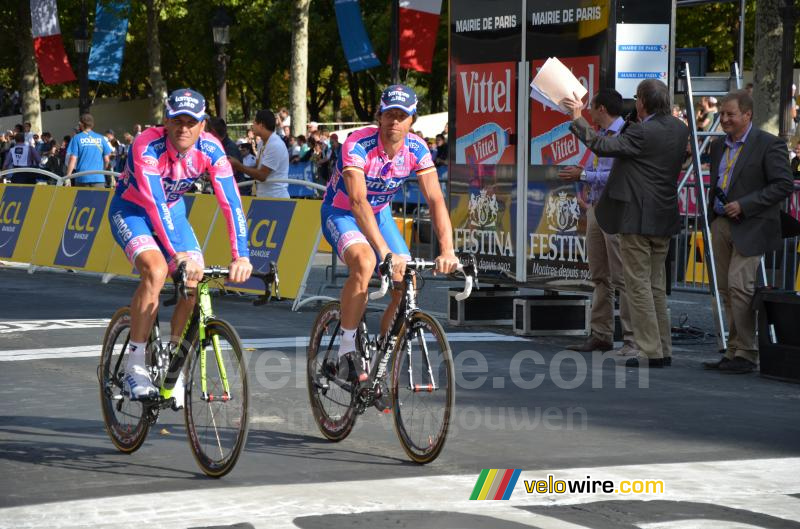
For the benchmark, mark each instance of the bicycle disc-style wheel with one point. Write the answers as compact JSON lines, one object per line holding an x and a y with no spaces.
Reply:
{"x":216,"y":421}
{"x":331,"y":398}
{"x":125,"y":420}
{"x":422,"y":398}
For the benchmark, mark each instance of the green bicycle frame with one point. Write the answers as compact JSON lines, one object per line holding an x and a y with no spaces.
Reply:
{"x":205,"y":312}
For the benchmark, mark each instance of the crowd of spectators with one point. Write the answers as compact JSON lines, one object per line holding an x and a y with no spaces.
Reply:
{"x":318,"y":147}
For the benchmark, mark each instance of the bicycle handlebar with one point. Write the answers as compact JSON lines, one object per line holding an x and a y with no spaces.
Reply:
{"x":216,"y":272}
{"x":467,"y":267}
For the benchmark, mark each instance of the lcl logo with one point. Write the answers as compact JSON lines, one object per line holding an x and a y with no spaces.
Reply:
{"x":262,"y":233}
{"x":81,"y":219}
{"x":10,"y":212}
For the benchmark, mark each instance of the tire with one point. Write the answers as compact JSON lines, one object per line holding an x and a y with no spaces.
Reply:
{"x":217,"y":427}
{"x":422,"y":418}
{"x":331,"y":402}
{"x":125,"y":420}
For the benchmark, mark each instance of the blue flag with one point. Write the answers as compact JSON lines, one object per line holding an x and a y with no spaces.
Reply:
{"x":356,"y":44}
{"x":108,"y":41}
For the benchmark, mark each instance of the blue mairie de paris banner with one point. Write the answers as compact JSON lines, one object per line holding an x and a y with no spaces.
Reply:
{"x":108,"y":41}
{"x":355,"y":42}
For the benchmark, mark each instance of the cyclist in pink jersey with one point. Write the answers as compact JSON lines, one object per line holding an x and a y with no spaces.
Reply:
{"x":356,"y":212}
{"x":148,"y":220}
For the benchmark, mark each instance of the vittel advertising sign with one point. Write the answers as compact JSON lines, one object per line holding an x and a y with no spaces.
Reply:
{"x":551,"y":141}
{"x":485,"y":113}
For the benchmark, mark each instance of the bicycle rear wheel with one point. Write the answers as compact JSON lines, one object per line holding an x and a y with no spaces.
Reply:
{"x":331,"y":398}
{"x":216,"y":420}
{"x":423,"y":387}
{"x":125,"y":420}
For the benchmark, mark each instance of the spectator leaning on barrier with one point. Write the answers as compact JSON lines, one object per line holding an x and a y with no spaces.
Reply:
{"x":640,"y":202}
{"x":752,"y":178}
{"x":22,"y":154}
{"x":273,"y":159}
{"x":603,"y":253}
{"x":88,"y":151}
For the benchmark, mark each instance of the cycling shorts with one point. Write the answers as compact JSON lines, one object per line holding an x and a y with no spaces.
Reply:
{"x":133,"y":231}
{"x":341,"y":230}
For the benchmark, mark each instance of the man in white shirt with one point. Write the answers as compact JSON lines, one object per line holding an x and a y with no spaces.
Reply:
{"x":273,"y":159}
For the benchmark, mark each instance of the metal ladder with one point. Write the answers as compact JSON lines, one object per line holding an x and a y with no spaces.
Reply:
{"x":716,"y":87}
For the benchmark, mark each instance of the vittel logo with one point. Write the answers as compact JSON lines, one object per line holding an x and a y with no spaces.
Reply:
{"x":483,"y":93}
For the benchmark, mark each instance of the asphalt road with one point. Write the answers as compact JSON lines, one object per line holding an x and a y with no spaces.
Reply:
{"x":727,"y":448}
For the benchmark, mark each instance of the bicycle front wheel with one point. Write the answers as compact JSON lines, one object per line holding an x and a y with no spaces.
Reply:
{"x":423,"y":387}
{"x":331,"y":398}
{"x":217,"y":400}
{"x":125,"y":420}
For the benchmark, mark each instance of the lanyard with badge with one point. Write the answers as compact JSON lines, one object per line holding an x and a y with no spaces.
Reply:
{"x":730,"y":161}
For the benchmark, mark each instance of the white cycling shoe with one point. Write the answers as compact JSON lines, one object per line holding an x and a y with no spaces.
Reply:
{"x":138,"y":384}
{"x":179,"y":393}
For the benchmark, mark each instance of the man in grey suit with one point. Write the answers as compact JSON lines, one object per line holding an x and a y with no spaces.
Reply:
{"x":751,"y":175}
{"x":640,"y":202}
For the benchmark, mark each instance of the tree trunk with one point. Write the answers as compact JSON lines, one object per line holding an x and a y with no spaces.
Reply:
{"x":298,"y":80}
{"x":767,"y":65}
{"x":158,"y":88}
{"x":245,"y":102}
{"x":29,"y":70}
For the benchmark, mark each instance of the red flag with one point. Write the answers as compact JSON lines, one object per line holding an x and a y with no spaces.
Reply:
{"x":419,"y":23}
{"x":47,"y":44}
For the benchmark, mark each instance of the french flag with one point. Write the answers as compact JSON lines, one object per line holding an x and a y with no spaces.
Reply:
{"x":419,"y":23}
{"x":47,"y":44}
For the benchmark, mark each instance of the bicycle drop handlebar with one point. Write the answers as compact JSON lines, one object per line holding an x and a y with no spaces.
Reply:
{"x":216,"y":272}
{"x":467,"y":267}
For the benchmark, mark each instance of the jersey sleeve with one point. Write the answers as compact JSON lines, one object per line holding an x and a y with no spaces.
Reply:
{"x":353,"y":154}
{"x":149,"y":194}
{"x":422,"y":155}
{"x":227,"y":192}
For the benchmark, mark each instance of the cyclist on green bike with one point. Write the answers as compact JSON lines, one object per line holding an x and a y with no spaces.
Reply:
{"x":148,"y":220}
{"x":357,"y":218}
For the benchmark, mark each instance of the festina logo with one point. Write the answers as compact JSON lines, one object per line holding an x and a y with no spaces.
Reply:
{"x":554,"y":247}
{"x":482,"y":94}
{"x":484,"y":242}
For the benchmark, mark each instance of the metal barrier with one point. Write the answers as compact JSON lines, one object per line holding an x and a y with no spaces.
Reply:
{"x":689,"y":269}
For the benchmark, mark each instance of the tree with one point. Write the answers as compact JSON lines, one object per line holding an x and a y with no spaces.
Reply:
{"x":767,"y":64}
{"x":298,"y":76}
{"x":29,"y":74}
{"x":158,"y":93}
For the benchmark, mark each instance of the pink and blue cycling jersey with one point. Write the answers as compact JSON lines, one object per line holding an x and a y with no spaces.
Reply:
{"x":156,"y":176}
{"x":363,"y":149}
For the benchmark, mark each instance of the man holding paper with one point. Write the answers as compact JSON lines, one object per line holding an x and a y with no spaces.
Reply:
{"x":640,"y":202}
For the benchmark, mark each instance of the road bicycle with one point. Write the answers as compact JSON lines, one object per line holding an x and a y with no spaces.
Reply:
{"x":216,"y":395}
{"x":422,"y":381}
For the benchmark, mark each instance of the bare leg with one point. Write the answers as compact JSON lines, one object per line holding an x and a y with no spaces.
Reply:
{"x":144,"y":306}
{"x":360,"y":260}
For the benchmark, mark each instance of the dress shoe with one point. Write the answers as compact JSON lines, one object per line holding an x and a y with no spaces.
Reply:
{"x":593,"y":343}
{"x":738,"y":366}
{"x":628,"y":349}
{"x":642,"y":359}
{"x":718,"y":364}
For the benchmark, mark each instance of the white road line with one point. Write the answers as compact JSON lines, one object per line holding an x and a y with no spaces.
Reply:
{"x":83,"y":351}
{"x":8,"y":326}
{"x":760,"y":486}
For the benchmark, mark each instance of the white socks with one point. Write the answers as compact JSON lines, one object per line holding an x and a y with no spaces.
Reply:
{"x":347,"y":341}
{"x":135,"y":355}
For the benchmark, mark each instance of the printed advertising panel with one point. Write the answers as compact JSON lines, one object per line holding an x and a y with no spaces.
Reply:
{"x":14,"y":204}
{"x":486,"y":113}
{"x":81,"y":228}
{"x":551,"y":141}
{"x":642,"y":52}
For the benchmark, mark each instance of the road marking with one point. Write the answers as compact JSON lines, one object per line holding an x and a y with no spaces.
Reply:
{"x":751,"y":489}
{"x":84,"y":351}
{"x":8,"y":326}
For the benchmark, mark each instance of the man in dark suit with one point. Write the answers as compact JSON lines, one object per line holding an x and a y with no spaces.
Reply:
{"x":751,"y":175}
{"x":640,"y":202}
